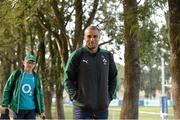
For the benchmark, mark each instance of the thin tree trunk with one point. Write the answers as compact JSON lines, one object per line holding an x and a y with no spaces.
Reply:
{"x":132,"y":68}
{"x":21,"y":48}
{"x":59,"y":102}
{"x":46,"y":89}
{"x":174,"y":35}
{"x":5,"y":74}
{"x":48,"y":104}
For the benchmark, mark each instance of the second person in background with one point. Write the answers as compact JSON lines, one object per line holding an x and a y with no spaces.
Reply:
{"x":23,"y":93}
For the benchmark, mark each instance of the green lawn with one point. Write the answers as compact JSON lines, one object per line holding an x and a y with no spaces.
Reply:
{"x":145,"y":113}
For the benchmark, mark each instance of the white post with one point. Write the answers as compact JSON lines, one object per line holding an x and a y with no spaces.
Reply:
{"x":164,"y":105}
{"x":163,"y":76}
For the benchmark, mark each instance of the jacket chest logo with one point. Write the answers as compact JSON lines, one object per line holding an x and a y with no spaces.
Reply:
{"x":85,"y":61}
{"x":104,"y":61}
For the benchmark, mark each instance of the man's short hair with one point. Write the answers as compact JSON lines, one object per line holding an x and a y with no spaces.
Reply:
{"x":91,"y":27}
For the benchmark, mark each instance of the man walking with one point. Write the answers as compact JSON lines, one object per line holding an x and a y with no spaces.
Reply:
{"x":90,"y":78}
{"x":23,"y":92}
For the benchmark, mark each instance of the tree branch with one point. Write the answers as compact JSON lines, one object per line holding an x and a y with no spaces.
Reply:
{"x":105,"y":42}
{"x":92,"y":14}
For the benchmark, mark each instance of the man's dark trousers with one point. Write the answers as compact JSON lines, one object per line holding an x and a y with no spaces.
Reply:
{"x":82,"y":114}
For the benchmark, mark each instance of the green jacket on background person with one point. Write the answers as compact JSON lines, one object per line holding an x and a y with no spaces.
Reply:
{"x":12,"y":99}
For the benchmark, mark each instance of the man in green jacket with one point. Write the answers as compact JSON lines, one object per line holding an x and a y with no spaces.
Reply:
{"x":23,"y":93}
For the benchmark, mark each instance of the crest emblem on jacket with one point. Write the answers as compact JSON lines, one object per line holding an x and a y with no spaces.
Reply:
{"x":104,"y":60}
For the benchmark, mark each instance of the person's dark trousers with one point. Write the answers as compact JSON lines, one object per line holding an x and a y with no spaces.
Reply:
{"x":82,"y":114}
{"x":25,"y":114}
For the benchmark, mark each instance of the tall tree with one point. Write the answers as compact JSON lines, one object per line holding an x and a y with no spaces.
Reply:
{"x":132,"y":68}
{"x":174,"y":39}
{"x":45,"y":80}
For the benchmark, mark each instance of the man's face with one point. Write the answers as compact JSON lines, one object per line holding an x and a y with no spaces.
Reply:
{"x":29,"y":65}
{"x":91,"y":38}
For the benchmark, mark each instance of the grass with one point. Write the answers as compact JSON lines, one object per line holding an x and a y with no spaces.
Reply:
{"x":145,"y":113}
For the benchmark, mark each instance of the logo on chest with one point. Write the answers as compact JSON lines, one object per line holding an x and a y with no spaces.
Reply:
{"x":104,"y":61}
{"x":85,"y":61}
{"x":26,"y":89}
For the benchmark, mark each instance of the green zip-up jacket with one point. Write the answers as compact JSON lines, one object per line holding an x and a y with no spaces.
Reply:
{"x":12,"y":99}
{"x":90,"y":79}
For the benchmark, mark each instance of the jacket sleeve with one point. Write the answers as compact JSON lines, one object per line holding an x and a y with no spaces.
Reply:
{"x":41,"y":95}
{"x":7,"y":95}
{"x":112,"y":77}
{"x":70,"y":76}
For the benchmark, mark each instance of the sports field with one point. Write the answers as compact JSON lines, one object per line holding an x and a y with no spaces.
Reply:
{"x":145,"y":113}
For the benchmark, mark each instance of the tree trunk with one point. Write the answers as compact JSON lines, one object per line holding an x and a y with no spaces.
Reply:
{"x":21,"y":51}
{"x":48,"y":104}
{"x":59,"y":102}
{"x":5,"y":74}
{"x":46,"y":87}
{"x":132,"y":68}
{"x":174,"y":35}
{"x":78,"y":24}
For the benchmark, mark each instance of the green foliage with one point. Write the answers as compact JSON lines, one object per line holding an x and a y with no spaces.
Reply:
{"x":110,"y":20}
{"x":153,"y":38}
{"x":150,"y":82}
{"x":19,"y":21}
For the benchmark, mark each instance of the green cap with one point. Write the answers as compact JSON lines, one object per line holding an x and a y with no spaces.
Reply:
{"x":30,"y":57}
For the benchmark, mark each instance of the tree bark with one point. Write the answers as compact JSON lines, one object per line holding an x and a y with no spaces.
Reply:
{"x":174,"y":39}
{"x":46,"y":87}
{"x":21,"y":45}
{"x":59,"y":102}
{"x":48,"y":104}
{"x":132,"y":68}
{"x":5,"y":74}
{"x":78,"y":24}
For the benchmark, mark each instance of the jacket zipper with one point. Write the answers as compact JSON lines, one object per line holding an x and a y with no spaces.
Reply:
{"x":97,"y":83}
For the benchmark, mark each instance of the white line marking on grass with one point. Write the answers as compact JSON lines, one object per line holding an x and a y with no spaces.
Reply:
{"x":144,"y":112}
